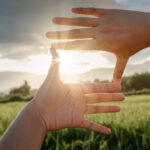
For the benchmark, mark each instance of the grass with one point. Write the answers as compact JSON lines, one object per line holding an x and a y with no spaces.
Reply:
{"x":130,"y":128}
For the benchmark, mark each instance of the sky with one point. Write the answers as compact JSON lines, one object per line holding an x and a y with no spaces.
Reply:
{"x":24,"y":47}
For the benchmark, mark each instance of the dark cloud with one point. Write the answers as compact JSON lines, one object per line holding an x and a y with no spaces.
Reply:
{"x":22,"y":53}
{"x":24,"y":22}
{"x":22,"y":18}
{"x":141,"y":5}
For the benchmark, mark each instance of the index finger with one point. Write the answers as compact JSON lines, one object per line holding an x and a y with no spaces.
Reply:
{"x":98,"y":12}
{"x":79,"y":21}
{"x":100,"y":87}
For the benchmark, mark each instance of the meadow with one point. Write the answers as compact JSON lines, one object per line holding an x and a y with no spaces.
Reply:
{"x":130,"y":128}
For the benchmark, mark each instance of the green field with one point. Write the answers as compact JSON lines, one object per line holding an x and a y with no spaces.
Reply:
{"x":130,"y":128}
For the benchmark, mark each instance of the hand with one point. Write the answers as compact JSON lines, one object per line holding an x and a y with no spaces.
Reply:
{"x":120,"y":32}
{"x":64,"y":105}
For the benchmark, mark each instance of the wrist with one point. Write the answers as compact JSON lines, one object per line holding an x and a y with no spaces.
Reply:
{"x":36,"y":116}
{"x":26,"y":128}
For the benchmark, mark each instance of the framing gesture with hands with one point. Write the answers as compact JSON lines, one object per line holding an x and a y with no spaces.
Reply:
{"x":121,"y":32}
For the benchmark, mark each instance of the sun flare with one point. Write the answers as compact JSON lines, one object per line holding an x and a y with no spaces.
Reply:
{"x":71,"y":62}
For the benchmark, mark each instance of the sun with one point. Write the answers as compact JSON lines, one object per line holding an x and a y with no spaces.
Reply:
{"x":71,"y":62}
{"x":40,"y":64}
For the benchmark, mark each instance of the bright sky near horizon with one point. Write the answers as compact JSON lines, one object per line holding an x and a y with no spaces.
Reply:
{"x":24,"y":47}
{"x":70,"y":63}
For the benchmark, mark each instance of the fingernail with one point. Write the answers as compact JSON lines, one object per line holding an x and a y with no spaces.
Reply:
{"x":122,"y":97}
{"x":117,"y":81}
{"x":118,"y":87}
{"x":54,"y":46}
{"x":117,"y":108}
{"x":55,"y":19}
{"x":47,"y":34}
{"x":108,"y":131}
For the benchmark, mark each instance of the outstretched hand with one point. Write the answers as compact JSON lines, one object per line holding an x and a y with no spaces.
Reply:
{"x":64,"y":105}
{"x":120,"y":32}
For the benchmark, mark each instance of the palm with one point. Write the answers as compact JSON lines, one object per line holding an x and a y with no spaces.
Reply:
{"x":64,"y":105}
{"x":69,"y":106}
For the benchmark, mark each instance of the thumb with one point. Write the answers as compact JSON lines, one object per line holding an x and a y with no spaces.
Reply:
{"x":55,"y":55}
{"x":119,"y":69}
{"x":54,"y":68}
{"x":95,"y":127}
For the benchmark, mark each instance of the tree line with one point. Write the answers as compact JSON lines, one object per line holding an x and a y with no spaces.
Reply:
{"x":138,"y":83}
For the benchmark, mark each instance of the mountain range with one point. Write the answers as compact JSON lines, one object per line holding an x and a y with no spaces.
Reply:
{"x":10,"y":79}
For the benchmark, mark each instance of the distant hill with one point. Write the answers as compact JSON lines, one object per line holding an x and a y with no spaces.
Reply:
{"x":107,"y":73}
{"x":10,"y":79}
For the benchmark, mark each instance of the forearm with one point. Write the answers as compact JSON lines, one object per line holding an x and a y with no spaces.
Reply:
{"x":26,"y":132}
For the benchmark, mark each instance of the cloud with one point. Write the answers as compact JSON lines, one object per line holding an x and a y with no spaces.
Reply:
{"x":24,"y":23}
{"x":141,"y":5}
{"x":23,"y":26}
{"x":138,"y":58}
{"x":22,"y":52}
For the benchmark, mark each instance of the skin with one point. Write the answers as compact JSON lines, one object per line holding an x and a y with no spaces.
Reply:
{"x":121,"y":32}
{"x":57,"y":106}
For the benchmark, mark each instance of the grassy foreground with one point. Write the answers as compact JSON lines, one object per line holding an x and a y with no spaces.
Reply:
{"x":130,"y":128}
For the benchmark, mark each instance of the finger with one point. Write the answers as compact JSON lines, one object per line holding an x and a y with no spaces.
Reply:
{"x":78,"y":45}
{"x":71,"y":34}
{"x":119,"y":69}
{"x":100,"y":87}
{"x":95,"y":127}
{"x":92,"y":109}
{"x":55,"y":55}
{"x":80,"y":21}
{"x":98,"y":12}
{"x":53,"y":72}
{"x":103,"y":97}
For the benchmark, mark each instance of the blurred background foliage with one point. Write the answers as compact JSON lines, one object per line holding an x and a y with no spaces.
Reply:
{"x":136,"y":84}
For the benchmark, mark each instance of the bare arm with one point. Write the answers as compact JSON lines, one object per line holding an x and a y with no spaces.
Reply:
{"x":26,"y":132}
